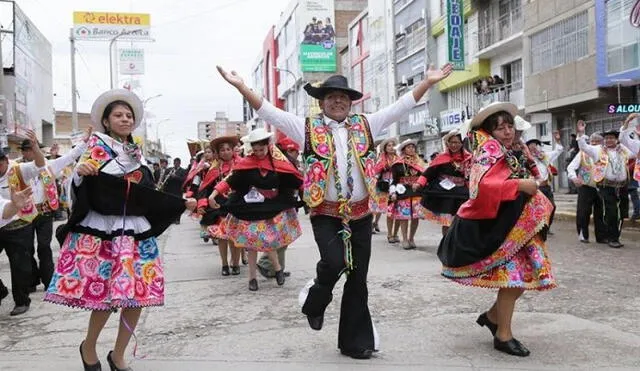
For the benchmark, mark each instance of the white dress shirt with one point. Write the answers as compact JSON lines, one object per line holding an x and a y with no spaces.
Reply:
{"x":632,"y":143}
{"x":29,"y":171}
{"x":3,"y":203}
{"x":552,"y":156}
{"x":56,"y":167}
{"x":616,"y":170}
{"x":294,"y":127}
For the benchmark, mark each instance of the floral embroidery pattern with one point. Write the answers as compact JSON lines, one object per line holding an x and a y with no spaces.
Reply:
{"x":407,"y":209}
{"x":379,"y":202}
{"x":441,"y":219}
{"x":263,"y":235}
{"x":521,"y":261}
{"x":319,"y":161}
{"x":100,"y":274}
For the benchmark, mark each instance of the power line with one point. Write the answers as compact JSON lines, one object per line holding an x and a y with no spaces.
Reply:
{"x":195,"y":15}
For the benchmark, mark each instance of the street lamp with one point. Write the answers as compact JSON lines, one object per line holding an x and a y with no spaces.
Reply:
{"x":295,"y":81}
{"x":113,"y":40}
{"x":158,"y":128}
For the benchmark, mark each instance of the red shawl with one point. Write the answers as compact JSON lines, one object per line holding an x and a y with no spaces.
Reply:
{"x":217,"y":172}
{"x":462,"y":157}
{"x":195,"y":170}
{"x":383,"y":162}
{"x":413,"y":161}
{"x":278,"y":160}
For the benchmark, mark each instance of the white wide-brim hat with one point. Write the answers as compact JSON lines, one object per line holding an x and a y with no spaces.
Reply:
{"x":450,"y":134}
{"x":256,"y":135}
{"x":110,"y":96}
{"x":387,"y":141}
{"x":405,"y":143}
{"x":521,"y":124}
{"x":464,"y":128}
{"x":489,"y":110}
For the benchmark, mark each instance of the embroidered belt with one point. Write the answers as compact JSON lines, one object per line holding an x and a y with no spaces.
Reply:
{"x":14,"y":225}
{"x":44,"y":208}
{"x":611,"y":183}
{"x":458,"y":181}
{"x":408,"y":180}
{"x":268,"y":193}
{"x":359,"y":209}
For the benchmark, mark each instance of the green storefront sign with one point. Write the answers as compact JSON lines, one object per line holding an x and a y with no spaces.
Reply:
{"x":455,"y":33}
{"x":317,"y":58}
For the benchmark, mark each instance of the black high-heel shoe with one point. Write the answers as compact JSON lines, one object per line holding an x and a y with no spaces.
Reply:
{"x":87,"y":367}
{"x":113,"y":366}
{"x":483,"y":321}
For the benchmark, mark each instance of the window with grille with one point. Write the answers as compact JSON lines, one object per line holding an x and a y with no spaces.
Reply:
{"x":512,"y":74}
{"x":623,"y":40}
{"x":561,"y":43}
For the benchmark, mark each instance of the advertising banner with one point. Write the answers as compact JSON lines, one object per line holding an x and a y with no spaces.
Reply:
{"x":105,"y":26}
{"x":131,"y":61}
{"x":455,"y":30}
{"x":318,"y":47}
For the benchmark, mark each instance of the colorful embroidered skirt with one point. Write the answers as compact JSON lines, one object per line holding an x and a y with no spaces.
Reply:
{"x":407,"y":209}
{"x":379,"y":203}
{"x":97,"y":274}
{"x":442,"y":219}
{"x":263,"y":235}
{"x":217,"y":229}
{"x":522,"y":261}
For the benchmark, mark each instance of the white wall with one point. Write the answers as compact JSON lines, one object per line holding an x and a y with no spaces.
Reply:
{"x":504,"y":58}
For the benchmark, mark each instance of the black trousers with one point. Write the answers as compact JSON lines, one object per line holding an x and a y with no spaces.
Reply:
{"x":356,"y":330}
{"x":43,"y":231}
{"x":588,"y":201}
{"x":616,"y":207}
{"x":16,"y":244}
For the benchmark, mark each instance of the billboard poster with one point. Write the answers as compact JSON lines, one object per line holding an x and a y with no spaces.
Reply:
{"x":131,"y":61}
{"x":33,"y":75}
{"x":318,"y":47}
{"x":455,"y":30}
{"x":107,"y":25}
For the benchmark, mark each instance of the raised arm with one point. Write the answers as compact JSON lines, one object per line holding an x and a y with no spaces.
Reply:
{"x":380,"y":120}
{"x":290,"y":124}
{"x":591,"y":151}
{"x":625,"y":135}
{"x":554,"y":154}
{"x":60,"y":163}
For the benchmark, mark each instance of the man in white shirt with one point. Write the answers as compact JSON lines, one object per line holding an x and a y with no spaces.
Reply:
{"x":580,"y":171}
{"x":339,"y":158}
{"x":43,"y":223}
{"x":611,"y":175}
{"x":17,"y":235}
{"x":544,"y":162}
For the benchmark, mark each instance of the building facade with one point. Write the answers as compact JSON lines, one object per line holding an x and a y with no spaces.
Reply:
{"x":221,"y":127}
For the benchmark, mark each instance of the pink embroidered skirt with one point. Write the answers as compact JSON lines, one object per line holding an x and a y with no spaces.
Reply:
{"x":406,"y":209}
{"x":263,"y":235}
{"x":97,"y":274}
{"x":379,"y":203}
{"x":442,"y":219}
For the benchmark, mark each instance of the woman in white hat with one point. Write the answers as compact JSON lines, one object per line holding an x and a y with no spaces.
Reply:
{"x":109,"y":256}
{"x":387,"y":156}
{"x":262,"y":205}
{"x":445,"y":181}
{"x":495,"y":240}
{"x":212,"y":219}
{"x":405,"y":202}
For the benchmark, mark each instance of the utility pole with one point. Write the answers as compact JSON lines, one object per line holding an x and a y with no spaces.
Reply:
{"x":74,"y":94}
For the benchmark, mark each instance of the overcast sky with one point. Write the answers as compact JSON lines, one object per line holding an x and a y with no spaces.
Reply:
{"x":191,"y":37}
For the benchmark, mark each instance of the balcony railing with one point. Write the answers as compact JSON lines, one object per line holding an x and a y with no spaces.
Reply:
{"x":506,"y":26}
{"x":502,"y":93}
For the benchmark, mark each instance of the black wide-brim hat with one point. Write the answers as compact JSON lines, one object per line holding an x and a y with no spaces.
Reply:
{"x":26,"y":144}
{"x":537,"y":142}
{"x":614,"y":132}
{"x":333,"y":83}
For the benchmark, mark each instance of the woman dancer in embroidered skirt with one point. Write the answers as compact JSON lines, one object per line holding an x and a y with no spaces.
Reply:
{"x":199,"y":168}
{"x":262,"y":207}
{"x":405,"y":202}
{"x":380,"y":201}
{"x":444,"y":182}
{"x":109,"y":256}
{"x":213,"y":218}
{"x":495,"y":239}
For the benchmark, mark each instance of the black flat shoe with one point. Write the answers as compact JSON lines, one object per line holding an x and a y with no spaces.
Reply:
{"x":87,"y":367}
{"x":615,"y":244}
{"x":225,"y":270}
{"x":19,"y":309}
{"x":287,"y":274}
{"x":112,"y":365}
{"x":280,"y":277}
{"x":483,"y":321}
{"x":357,"y":354}
{"x":315,"y":322}
{"x":235,"y":270}
{"x":253,"y":285}
{"x":4,"y":292}
{"x":512,"y":347}
{"x":244,"y":260}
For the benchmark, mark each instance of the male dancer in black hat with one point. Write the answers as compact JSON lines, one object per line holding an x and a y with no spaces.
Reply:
{"x":339,"y":158}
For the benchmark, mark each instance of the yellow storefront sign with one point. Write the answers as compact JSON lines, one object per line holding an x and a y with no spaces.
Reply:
{"x":112,"y":19}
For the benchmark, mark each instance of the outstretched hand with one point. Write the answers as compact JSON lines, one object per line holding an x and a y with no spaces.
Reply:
{"x":231,"y":77}
{"x":20,"y":199}
{"x":434,"y":75}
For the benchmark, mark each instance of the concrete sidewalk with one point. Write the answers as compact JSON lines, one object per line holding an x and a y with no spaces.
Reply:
{"x":566,"y":205}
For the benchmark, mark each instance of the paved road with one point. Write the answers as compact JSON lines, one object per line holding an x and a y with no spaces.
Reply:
{"x":210,"y":322}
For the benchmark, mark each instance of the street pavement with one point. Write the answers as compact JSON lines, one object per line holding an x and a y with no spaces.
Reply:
{"x":210,"y":322}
